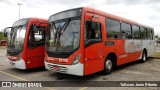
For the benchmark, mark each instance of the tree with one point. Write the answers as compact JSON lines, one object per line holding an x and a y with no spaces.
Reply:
{"x":2,"y":37}
{"x":157,"y":39}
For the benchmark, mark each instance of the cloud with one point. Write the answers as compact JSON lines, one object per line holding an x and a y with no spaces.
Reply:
{"x":66,"y":2}
{"x":132,"y":2}
{"x":142,"y":11}
{"x":6,"y":2}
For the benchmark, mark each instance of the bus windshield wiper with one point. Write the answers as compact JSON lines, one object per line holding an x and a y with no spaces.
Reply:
{"x":65,"y":26}
{"x":59,"y":30}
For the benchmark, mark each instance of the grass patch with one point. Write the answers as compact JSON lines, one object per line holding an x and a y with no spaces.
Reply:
{"x":156,"y":55}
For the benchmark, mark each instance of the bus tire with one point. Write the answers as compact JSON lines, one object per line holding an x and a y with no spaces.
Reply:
{"x":144,"y":57}
{"x":108,"y":66}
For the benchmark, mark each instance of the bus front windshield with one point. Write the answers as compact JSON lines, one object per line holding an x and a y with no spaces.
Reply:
{"x":16,"y":37}
{"x":63,"y":35}
{"x":16,"y":40}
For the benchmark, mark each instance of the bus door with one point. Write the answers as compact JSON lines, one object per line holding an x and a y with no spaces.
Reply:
{"x":36,"y":48}
{"x":93,"y":43}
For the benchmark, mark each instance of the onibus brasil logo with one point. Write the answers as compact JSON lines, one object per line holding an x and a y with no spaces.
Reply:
{"x":21,"y":84}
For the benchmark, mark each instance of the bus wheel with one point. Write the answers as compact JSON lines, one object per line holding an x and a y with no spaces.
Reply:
{"x":108,"y":65}
{"x":144,"y":57}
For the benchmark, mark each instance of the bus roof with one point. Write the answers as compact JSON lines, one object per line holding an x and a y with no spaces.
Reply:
{"x":24,"y":20}
{"x":87,"y":9}
{"x":105,"y":14}
{"x":39,"y":19}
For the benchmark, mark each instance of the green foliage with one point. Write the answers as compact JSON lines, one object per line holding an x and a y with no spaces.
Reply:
{"x":157,"y":37}
{"x":2,"y":37}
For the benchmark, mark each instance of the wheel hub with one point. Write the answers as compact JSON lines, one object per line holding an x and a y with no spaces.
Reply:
{"x":108,"y":64}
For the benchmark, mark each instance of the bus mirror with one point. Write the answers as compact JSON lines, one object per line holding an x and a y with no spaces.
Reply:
{"x":7,"y":31}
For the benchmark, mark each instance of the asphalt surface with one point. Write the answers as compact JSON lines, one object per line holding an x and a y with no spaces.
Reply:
{"x":135,"y":71}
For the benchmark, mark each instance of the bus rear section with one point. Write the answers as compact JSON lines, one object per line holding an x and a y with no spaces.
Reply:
{"x":83,"y":41}
{"x":26,"y":40}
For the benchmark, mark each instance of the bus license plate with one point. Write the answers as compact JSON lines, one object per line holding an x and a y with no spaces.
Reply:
{"x":56,"y":68}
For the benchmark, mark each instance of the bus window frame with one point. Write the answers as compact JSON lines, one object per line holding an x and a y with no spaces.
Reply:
{"x":92,"y":41}
{"x":138,"y":30}
{"x":106,"y":29}
{"x":150,"y":37}
{"x":130,"y":29}
{"x":146,"y":37}
{"x":35,"y":46}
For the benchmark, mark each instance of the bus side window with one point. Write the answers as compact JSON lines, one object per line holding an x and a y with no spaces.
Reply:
{"x":126,"y":31}
{"x":36,"y":37}
{"x":143,"y":33}
{"x":149,"y":34}
{"x":135,"y":32}
{"x":92,"y":30}
{"x":152,"y":33}
{"x":113,"y":28}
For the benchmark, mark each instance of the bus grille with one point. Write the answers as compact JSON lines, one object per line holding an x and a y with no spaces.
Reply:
{"x":61,"y":68}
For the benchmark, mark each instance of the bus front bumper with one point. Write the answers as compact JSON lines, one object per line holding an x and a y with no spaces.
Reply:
{"x":67,"y":69}
{"x":20,"y":64}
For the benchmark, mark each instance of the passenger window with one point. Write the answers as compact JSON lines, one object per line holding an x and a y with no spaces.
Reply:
{"x":143,"y":33}
{"x":92,"y":30}
{"x":149,"y":34}
{"x":36,"y":37}
{"x":113,"y":28}
{"x":152,"y":33}
{"x":135,"y":32}
{"x":126,"y":31}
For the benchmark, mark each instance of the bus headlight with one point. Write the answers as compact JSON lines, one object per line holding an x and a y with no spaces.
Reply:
{"x":76,"y":59}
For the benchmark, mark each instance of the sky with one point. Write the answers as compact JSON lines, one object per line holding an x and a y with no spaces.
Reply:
{"x":142,"y":11}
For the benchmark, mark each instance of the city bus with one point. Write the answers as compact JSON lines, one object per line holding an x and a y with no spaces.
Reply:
{"x":26,"y":43}
{"x":84,"y":41}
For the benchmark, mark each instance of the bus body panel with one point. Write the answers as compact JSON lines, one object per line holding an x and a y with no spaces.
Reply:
{"x":94,"y":58}
{"x":149,"y":45}
{"x":67,"y":69}
{"x":20,"y":64}
{"x":35,"y":57}
{"x":117,"y":48}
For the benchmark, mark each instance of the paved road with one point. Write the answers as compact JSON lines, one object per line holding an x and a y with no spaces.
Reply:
{"x":149,"y":71}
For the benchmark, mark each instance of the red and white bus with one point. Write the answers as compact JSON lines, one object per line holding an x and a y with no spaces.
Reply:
{"x":84,"y":40}
{"x":26,"y":43}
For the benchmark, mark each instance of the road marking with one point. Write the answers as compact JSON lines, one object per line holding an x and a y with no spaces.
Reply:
{"x":83,"y":88}
{"x":21,"y":78}
{"x":35,"y":75}
{"x":13,"y":76}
